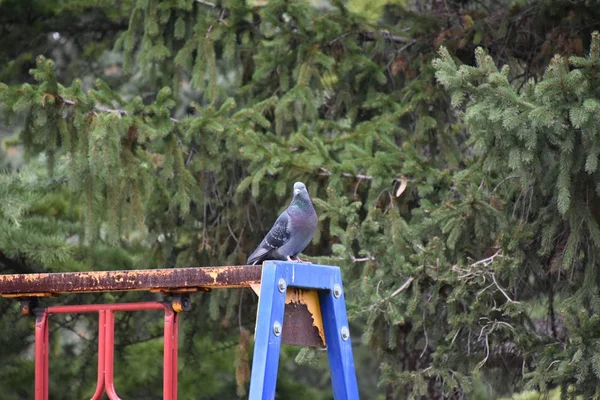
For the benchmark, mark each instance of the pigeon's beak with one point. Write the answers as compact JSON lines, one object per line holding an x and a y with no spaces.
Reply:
{"x":296,"y":191}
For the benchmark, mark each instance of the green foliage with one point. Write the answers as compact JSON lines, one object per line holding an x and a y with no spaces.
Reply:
{"x":543,"y":138}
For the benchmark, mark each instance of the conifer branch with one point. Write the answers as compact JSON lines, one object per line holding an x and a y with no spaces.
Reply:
{"x":343,"y":35}
{"x":222,"y":15}
{"x":502,"y":290}
{"x":326,"y":172}
{"x":110,"y":110}
{"x":487,"y":349}
{"x":363,"y":259}
{"x":404,"y":286}
{"x":504,"y":180}
{"x":66,"y":101}
{"x":387,"y":35}
{"x":401,"y":288}
{"x":219,"y":19}
{"x":475,"y":271}
{"x":104,"y":109}
{"x":206,"y":3}
{"x":487,"y":261}
{"x":372,"y":36}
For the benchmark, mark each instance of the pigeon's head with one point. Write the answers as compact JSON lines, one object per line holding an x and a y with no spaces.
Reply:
{"x":300,"y":191}
{"x":299,"y":187}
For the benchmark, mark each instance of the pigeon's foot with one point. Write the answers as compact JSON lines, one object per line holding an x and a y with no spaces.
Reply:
{"x":303,"y":262}
{"x":297,"y":260}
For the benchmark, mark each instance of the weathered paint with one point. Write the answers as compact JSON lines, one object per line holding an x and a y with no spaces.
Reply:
{"x":9,"y":295}
{"x":179,"y":279}
{"x":256,"y":288}
{"x":309,"y":299}
{"x":302,"y":321}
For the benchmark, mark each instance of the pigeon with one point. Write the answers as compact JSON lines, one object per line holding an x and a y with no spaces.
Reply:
{"x":292,"y":231}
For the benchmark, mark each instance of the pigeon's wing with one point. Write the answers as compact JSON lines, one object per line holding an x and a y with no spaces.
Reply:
{"x":277,"y":237}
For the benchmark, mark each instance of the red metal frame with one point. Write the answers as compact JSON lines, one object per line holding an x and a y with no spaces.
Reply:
{"x":106,"y":346}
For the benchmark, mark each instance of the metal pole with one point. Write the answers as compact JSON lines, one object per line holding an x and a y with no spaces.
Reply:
{"x":41,"y":356}
{"x":101,"y":338}
{"x":109,"y":355}
{"x":170,"y":356}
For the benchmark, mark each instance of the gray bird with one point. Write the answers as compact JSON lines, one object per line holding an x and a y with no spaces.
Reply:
{"x":291,"y":233}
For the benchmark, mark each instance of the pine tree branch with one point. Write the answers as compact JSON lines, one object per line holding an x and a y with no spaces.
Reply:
{"x":110,"y":110}
{"x":326,"y":172}
{"x":504,"y":180}
{"x":401,"y":288}
{"x":372,"y":36}
{"x":104,"y":109}
{"x":387,"y":35}
{"x":220,"y":19}
{"x":206,"y":3}
{"x":487,"y":261}
{"x":363,"y":259}
{"x":404,"y":286}
{"x":502,"y":290}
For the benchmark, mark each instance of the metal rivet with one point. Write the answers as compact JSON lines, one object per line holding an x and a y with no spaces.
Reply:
{"x":337,"y":291}
{"x":277,"y":328}
{"x":345,"y":333}
{"x":281,"y":285}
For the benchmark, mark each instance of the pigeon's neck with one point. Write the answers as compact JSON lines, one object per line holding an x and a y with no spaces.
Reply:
{"x":301,"y":203}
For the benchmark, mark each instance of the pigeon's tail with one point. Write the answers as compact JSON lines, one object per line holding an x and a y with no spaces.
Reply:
{"x":258,"y":256}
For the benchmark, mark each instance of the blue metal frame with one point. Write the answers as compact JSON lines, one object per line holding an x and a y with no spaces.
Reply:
{"x":267,"y":344}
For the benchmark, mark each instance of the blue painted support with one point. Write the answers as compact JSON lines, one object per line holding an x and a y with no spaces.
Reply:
{"x":277,"y":276}
{"x":337,"y":336}
{"x":267,"y":341}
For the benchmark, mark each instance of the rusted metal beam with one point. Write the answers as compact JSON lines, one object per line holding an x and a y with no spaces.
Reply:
{"x":167,"y":280}
{"x":302,"y":323}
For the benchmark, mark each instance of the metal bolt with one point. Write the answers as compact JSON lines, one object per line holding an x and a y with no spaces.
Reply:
{"x":281,"y":285}
{"x":277,"y":328}
{"x":345,"y":333}
{"x":337,"y":291}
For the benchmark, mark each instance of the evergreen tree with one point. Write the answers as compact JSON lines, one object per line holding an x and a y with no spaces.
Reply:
{"x":537,"y":148}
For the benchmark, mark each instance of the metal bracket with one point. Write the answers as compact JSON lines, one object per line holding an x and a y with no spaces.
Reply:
{"x":28,"y":304}
{"x":181,"y":302}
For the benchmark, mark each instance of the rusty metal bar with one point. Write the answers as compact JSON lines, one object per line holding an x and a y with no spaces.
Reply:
{"x":168,"y":280}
